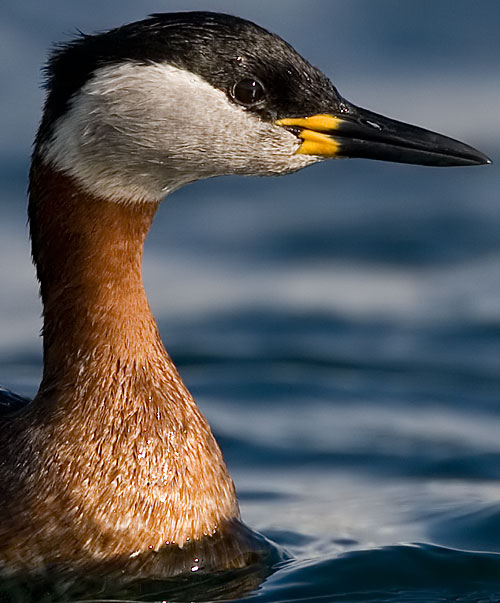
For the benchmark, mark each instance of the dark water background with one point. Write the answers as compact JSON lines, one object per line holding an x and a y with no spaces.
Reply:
{"x":340,"y":327}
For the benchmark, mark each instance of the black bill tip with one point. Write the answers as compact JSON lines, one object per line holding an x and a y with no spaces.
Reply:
{"x":372,"y":136}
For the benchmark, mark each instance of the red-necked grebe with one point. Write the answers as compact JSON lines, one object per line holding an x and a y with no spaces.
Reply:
{"x":113,"y":460}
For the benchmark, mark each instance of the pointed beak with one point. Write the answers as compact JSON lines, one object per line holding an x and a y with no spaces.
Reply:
{"x":356,"y":132}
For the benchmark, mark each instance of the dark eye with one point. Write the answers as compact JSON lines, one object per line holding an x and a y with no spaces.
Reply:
{"x":248,"y":92}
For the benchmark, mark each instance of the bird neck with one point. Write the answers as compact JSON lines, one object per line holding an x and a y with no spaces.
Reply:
{"x":108,"y":381}
{"x":88,"y":256}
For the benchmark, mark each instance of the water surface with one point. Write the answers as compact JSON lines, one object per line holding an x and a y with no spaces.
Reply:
{"x":340,"y":328}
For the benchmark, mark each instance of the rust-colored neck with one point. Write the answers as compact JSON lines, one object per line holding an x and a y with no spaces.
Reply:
{"x":88,"y":255}
{"x":125,"y":443}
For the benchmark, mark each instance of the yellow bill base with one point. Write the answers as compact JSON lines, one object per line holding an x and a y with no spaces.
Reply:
{"x":317,"y":123}
{"x":315,"y":141}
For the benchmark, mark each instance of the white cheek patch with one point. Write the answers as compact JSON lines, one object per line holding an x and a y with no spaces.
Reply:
{"x":136,"y":132}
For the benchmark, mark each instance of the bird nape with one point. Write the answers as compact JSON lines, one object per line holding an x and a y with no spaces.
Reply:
{"x":112,"y":464}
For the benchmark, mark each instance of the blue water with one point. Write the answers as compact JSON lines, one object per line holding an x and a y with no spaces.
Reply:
{"x":340,"y":328}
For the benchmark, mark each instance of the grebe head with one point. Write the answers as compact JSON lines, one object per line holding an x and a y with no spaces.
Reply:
{"x":136,"y":112}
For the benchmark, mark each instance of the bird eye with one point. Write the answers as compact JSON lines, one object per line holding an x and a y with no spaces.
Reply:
{"x":248,"y":92}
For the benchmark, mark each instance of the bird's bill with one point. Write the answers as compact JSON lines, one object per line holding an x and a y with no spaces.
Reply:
{"x":362,"y":133}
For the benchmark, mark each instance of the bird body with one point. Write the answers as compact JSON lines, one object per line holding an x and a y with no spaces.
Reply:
{"x":113,"y":461}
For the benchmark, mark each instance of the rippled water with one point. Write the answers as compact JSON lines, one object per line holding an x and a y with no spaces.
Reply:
{"x":340,"y":328}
